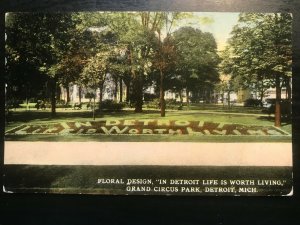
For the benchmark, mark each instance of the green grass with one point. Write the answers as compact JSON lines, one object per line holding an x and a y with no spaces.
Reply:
{"x":209,"y":113}
{"x":225,"y":108}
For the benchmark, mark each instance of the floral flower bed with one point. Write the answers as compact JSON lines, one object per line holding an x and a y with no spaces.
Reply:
{"x":145,"y":127}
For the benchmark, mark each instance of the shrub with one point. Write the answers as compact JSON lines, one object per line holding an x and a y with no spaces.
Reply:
{"x":13,"y":103}
{"x":170,"y":104}
{"x":41,"y":104}
{"x":149,"y":97}
{"x":253,"y":103}
{"x":62,"y":104}
{"x":173,"y":104}
{"x":110,"y":105}
{"x":154,"y":104}
{"x":89,"y":95}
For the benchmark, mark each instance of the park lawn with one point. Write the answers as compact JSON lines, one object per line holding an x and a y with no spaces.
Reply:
{"x":225,"y":108}
{"x":43,"y":117}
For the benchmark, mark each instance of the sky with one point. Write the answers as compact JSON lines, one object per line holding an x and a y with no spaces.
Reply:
{"x":219,"y":24}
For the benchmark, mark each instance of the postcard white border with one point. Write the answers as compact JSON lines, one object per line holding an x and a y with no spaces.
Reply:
{"x":148,"y":153}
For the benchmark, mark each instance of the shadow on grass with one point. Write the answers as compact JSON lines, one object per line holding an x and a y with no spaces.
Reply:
{"x":26,"y":116}
{"x":284,"y":120}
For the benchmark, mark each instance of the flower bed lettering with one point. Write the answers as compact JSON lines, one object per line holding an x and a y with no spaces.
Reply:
{"x":145,"y":127}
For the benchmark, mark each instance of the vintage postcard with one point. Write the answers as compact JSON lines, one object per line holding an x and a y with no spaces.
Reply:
{"x":148,"y":103}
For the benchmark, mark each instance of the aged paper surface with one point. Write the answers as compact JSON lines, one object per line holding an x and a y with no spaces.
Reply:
{"x":157,"y":103}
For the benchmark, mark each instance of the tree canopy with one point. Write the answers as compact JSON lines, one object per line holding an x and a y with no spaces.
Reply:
{"x":197,"y":59}
{"x":259,"y":54}
{"x":140,"y":48}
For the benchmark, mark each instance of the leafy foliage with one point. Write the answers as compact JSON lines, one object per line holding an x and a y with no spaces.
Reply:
{"x":259,"y":54}
{"x":197,"y":59}
{"x":141,"y":49}
{"x":259,"y":48}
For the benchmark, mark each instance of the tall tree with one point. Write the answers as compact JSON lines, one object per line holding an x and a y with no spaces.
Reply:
{"x":22,"y":77}
{"x":141,"y":43}
{"x":94,"y":74}
{"x":197,"y":58}
{"x":165,"y":57}
{"x":260,"y":53}
{"x":136,"y":31}
{"x":42,"y":39}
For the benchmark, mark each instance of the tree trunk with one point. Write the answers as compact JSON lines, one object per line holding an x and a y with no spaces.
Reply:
{"x":27,"y":105}
{"x":277,"y":103}
{"x":53,"y":96}
{"x":223,"y":96}
{"x":68,"y":93}
{"x":121,"y":90}
{"x":128,"y":92}
{"x":58,"y":92}
{"x":187,"y":98}
{"x":94,"y":104}
{"x":262,"y":91}
{"x":162,"y":95}
{"x":137,"y":86}
{"x":228,"y":97}
{"x":261,"y":95}
{"x":116,"y":89}
{"x":101,"y":94}
{"x":288,"y":89}
{"x":138,"y":94}
{"x":209,"y":96}
{"x":100,"y":97}
{"x":27,"y":96}
{"x":79,"y":94}
{"x":180,"y":97}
